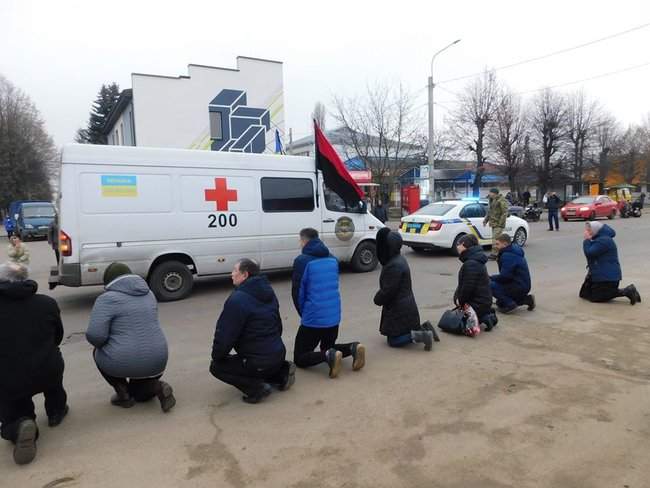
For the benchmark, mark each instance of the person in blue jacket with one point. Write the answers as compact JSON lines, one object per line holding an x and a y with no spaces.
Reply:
{"x":315,"y":292}
{"x":604,"y":275}
{"x":250,"y":323}
{"x":9,"y":226}
{"x":511,"y":286}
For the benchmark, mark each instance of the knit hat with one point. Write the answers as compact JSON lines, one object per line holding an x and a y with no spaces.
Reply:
{"x":595,"y":227}
{"x":115,"y":270}
{"x":494,"y":190}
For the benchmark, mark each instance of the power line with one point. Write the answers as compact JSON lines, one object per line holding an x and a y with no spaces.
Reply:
{"x":554,"y":53}
{"x":595,"y":77}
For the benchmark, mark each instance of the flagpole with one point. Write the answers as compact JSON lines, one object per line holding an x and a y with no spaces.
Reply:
{"x":316,"y":164}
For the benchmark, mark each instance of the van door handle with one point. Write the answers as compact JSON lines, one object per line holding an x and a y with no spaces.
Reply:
{"x":328,"y":221}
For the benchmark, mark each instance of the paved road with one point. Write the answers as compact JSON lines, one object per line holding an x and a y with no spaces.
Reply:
{"x":553,"y":398}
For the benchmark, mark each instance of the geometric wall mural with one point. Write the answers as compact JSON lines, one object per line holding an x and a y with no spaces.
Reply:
{"x":236,"y":127}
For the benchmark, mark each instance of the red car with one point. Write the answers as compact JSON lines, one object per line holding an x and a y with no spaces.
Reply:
{"x":589,"y":208}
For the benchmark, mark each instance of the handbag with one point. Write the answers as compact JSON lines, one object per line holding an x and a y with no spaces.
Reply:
{"x":460,"y":322}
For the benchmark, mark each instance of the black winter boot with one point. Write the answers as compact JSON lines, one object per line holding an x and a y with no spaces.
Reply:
{"x":334,"y":361}
{"x":25,"y":448}
{"x":423,"y":337}
{"x":166,"y":397}
{"x":631,"y":293}
{"x":429,"y":326}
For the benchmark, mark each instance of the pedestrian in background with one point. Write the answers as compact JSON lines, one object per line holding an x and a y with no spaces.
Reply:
{"x":496,"y":217}
{"x":526,"y":198}
{"x":316,"y":296}
{"x":250,"y":323}
{"x":9,"y":226}
{"x":510,"y":287}
{"x":31,"y":332}
{"x":553,"y":204}
{"x":130,"y":346}
{"x":604,"y":275}
{"x":400,"y":319}
{"x":17,"y":251}
{"x":380,"y":212}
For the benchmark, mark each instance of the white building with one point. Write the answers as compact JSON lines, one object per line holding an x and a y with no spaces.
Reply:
{"x":222,"y":109}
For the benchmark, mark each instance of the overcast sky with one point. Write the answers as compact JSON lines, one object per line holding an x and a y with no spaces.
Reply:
{"x":60,"y":52}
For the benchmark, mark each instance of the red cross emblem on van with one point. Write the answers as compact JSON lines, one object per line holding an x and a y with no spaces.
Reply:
{"x":220,"y":194}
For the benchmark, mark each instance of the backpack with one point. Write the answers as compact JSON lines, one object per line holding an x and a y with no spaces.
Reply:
{"x":460,"y":322}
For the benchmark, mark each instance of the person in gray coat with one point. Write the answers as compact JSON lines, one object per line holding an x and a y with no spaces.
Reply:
{"x":130,"y":346}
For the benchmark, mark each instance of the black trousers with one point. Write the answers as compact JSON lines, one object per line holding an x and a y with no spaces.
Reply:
{"x":553,"y":219}
{"x":140,"y":389}
{"x":246,"y":377}
{"x":309,"y":338}
{"x":18,"y":406}
{"x":601,"y":291}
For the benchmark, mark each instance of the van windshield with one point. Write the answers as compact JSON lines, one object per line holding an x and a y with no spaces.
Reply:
{"x":37,"y":211}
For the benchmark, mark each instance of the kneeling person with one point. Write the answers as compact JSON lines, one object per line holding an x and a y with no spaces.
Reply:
{"x":511,"y":286}
{"x":400,"y":319}
{"x":315,"y":292}
{"x":130,"y":346}
{"x":250,"y":323}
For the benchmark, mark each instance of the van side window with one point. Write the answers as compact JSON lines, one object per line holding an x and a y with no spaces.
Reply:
{"x":287,"y":195}
{"x":335,"y":203}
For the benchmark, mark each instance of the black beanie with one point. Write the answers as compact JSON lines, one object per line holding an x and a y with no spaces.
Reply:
{"x":115,"y":270}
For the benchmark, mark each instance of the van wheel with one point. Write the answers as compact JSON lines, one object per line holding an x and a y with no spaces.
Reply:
{"x":365,"y":257}
{"x":453,"y":250}
{"x":171,"y":280}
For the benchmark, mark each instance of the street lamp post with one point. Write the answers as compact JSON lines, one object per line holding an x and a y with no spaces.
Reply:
{"x":431,"y":85}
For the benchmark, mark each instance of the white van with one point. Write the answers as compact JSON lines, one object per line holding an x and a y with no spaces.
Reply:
{"x":171,"y":214}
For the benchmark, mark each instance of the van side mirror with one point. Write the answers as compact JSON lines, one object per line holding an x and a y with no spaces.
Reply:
{"x":16,"y":216}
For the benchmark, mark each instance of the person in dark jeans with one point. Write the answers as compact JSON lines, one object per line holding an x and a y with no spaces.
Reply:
{"x":526,"y":198}
{"x":315,"y":293}
{"x":553,"y":204}
{"x":510,"y":287}
{"x":250,"y":323}
{"x":400,"y":318}
{"x":602,"y":281}
{"x":30,"y":360}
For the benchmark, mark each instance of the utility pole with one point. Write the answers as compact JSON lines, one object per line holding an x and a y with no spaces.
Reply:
{"x":431,"y":85}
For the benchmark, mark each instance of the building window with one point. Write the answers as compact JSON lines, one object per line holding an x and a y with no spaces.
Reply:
{"x":216,"y":129}
{"x":287,"y":195}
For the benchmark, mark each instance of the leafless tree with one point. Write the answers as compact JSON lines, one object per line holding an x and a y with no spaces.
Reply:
{"x":382,"y":128}
{"x":607,"y":137}
{"x":476,"y":110}
{"x":507,"y":136}
{"x":25,"y":148}
{"x":582,"y":119}
{"x":630,"y":154}
{"x":548,"y":128}
{"x":319,"y":114}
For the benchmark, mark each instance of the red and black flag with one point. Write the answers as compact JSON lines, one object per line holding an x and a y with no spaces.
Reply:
{"x":335,"y":175}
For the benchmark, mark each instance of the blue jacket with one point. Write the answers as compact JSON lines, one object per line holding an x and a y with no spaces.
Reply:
{"x":602,"y":256}
{"x":9,"y":224}
{"x":315,"y":286}
{"x":251,"y":324}
{"x":513,"y":269}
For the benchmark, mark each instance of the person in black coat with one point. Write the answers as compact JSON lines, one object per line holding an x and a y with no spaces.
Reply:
{"x":400,"y":319}
{"x":553,"y":204}
{"x":30,"y":360}
{"x":473,"y":280}
{"x":380,"y":212}
{"x":250,"y":323}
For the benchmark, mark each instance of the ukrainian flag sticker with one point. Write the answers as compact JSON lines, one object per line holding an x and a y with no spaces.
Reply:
{"x":119,"y":186}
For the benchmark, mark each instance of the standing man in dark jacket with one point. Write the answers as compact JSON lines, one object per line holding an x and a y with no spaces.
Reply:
{"x":473,"y":281}
{"x":553,"y":204}
{"x":315,"y":292}
{"x":380,"y":212}
{"x":250,"y":323}
{"x":604,"y":276}
{"x":30,"y":360}
{"x":400,"y":319}
{"x":526,"y":198}
{"x":511,"y":286}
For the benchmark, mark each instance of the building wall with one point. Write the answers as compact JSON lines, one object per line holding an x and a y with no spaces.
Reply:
{"x":174,"y":112}
{"x":122,"y":133}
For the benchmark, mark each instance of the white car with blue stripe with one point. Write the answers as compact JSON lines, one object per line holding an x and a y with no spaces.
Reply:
{"x":442,"y":224}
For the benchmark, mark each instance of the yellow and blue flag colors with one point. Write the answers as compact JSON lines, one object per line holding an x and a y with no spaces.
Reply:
{"x":119,"y":186}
